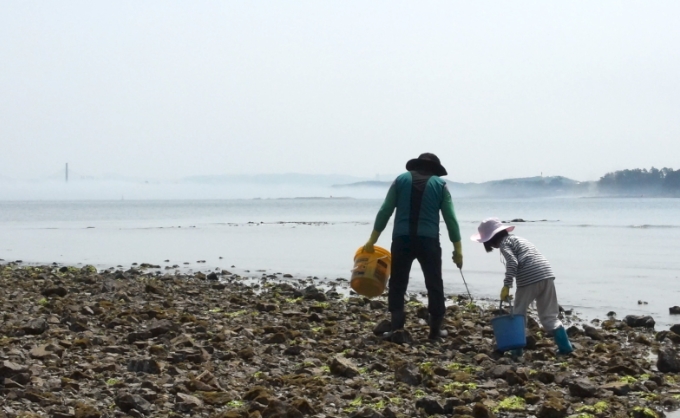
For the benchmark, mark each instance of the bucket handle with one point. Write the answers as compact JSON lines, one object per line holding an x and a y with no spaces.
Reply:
{"x":512,"y":311}
{"x":380,"y":258}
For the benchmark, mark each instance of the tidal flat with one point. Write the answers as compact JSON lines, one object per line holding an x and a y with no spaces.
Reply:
{"x":78,"y":342}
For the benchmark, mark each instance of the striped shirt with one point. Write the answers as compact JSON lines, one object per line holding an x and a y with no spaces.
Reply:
{"x":523,"y":262}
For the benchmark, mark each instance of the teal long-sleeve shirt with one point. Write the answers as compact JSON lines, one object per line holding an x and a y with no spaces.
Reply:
{"x":436,"y":198}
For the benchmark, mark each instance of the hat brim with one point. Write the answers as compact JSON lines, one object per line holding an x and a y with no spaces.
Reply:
{"x":418,"y":164}
{"x":479,"y":238}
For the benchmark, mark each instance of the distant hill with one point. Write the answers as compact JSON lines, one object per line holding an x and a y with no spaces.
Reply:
{"x":324,"y":180}
{"x":518,"y":187}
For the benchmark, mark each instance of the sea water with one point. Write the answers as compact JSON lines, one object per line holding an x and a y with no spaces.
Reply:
{"x":607,"y":254}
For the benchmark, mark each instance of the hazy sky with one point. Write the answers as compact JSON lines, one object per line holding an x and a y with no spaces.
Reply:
{"x":497,"y":89}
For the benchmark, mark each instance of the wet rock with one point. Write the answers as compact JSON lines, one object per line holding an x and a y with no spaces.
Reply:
{"x":592,"y":332}
{"x":674,"y":310}
{"x":144,"y":365}
{"x":278,"y":338}
{"x":212,"y":277}
{"x":367,"y":413}
{"x":482,"y":411}
{"x":377,"y":305}
{"x":430,"y":405}
{"x":383,"y":326}
{"x":36,"y":326}
{"x":341,"y":366}
{"x":407,"y":373}
{"x":127,"y":402}
{"x":304,"y":407}
{"x":552,"y":408}
{"x":545,"y":377}
{"x":161,"y":327}
{"x":675,"y":329}
{"x":55,"y":291}
{"x":186,"y":403}
{"x":46,"y":350}
{"x":582,"y":388}
{"x":668,"y":361}
{"x":636,"y":321}
{"x":312,"y":293}
{"x":279,"y":409}
{"x":10,"y":369}
{"x":138,"y":336}
{"x":401,"y":336}
{"x":84,"y":410}
{"x":619,"y":388}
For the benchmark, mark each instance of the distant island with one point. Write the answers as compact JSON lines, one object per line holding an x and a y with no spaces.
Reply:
{"x":624,"y":183}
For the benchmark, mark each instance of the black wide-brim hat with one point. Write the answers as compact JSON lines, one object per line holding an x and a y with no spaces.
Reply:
{"x":428,"y":162}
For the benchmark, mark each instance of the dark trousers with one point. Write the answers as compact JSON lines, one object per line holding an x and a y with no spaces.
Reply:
{"x":428,"y":252}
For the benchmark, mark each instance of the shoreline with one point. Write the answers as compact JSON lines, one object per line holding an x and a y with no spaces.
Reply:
{"x":87,"y":343}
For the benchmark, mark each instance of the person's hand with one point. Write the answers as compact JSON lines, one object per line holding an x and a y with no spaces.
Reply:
{"x":458,"y":254}
{"x":368,"y":247}
{"x":458,"y":259}
{"x":505,"y":293}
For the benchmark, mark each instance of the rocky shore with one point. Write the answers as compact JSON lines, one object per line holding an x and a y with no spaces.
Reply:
{"x":81,"y":343}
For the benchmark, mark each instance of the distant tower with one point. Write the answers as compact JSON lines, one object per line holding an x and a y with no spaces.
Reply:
{"x":66,"y":172}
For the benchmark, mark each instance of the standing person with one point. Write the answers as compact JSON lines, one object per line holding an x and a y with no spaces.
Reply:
{"x":534,"y":276}
{"x":418,"y":195}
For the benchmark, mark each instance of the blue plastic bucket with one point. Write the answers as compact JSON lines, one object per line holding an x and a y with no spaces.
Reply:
{"x":509,"y":332}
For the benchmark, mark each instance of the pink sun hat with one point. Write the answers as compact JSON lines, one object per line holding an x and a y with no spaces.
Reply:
{"x":490,"y":227}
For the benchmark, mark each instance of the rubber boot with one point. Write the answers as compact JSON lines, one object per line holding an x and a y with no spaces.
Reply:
{"x":562,"y":341}
{"x":398,"y":321}
{"x":517,"y":352}
{"x":436,"y":330}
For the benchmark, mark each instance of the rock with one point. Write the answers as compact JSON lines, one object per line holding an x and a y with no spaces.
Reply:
{"x":668,"y":361}
{"x":144,"y":365}
{"x":430,"y":406}
{"x":304,"y":407}
{"x":278,"y":338}
{"x":186,"y":403}
{"x":215,"y":398}
{"x":138,"y":336}
{"x":46,"y":350}
{"x":619,"y":388}
{"x":383,"y":326}
{"x":312,"y":293}
{"x":127,"y":402}
{"x":278,"y":409}
{"x":499,"y":371}
{"x":675,"y":329}
{"x":161,"y":327}
{"x":592,"y":332}
{"x":9,"y":369}
{"x":552,"y":408}
{"x":212,"y":277}
{"x":406,"y":373}
{"x":545,"y":377}
{"x":341,"y":366}
{"x":36,"y":326}
{"x":401,"y":336}
{"x":636,"y":321}
{"x":377,"y":305}
{"x":58,"y":291}
{"x":482,"y":411}
{"x":582,"y":388}
{"x":574,"y":331}
{"x":674,"y":310}
{"x":84,"y":410}
{"x":366,"y":413}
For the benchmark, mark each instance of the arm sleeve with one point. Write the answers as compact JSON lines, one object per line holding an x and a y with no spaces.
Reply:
{"x":510,"y":264}
{"x":450,"y":216}
{"x":387,"y":209}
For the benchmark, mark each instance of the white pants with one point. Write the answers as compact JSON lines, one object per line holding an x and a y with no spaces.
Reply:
{"x":543,"y":293}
